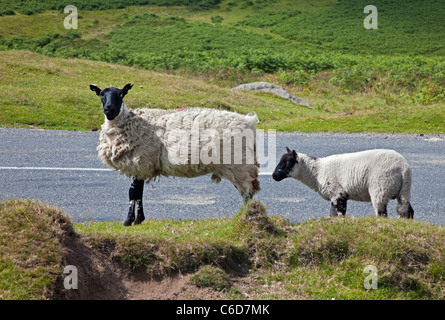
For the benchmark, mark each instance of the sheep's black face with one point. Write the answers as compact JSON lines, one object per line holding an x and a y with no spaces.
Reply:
{"x":286,"y":165}
{"x":112,"y":99}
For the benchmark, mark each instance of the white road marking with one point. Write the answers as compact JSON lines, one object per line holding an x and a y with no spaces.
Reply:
{"x":82,"y":169}
{"x":55,"y":168}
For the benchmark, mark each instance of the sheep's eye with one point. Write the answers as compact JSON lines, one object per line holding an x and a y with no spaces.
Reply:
{"x":101,"y":94}
{"x":121,"y":95}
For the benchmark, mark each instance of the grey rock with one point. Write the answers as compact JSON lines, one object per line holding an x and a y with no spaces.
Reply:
{"x":275,"y":89}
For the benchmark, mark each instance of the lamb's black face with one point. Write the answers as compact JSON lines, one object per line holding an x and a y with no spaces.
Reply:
{"x":112,"y":99}
{"x":287,"y":163}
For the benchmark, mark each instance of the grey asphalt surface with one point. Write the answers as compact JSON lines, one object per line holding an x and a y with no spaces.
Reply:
{"x":61,"y":168}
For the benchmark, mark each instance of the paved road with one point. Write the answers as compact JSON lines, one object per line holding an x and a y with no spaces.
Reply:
{"x":61,"y":168}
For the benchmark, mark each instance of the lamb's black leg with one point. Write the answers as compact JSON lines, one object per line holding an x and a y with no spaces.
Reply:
{"x":383,"y":212}
{"x":410,"y":212}
{"x":342,"y":205}
{"x":135,"y":194}
{"x":339,"y":206}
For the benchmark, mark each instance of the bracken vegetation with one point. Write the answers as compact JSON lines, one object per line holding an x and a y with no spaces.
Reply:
{"x":30,"y":7}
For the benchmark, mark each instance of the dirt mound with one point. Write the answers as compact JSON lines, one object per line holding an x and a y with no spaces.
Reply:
{"x":177,"y":287}
{"x":102,"y":278}
{"x":97,"y":276}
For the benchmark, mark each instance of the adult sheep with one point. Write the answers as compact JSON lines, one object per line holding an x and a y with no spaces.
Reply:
{"x":147,"y":143}
{"x":374,"y":176}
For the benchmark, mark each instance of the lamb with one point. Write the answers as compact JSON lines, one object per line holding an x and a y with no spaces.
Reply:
{"x":148,"y":143}
{"x":374,"y":176}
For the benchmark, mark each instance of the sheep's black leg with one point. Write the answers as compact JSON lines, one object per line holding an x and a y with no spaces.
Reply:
{"x":130,"y":216}
{"x":135,"y":194}
{"x":140,"y":212}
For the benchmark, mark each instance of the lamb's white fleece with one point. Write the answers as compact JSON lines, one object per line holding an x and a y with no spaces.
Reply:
{"x":372,"y":176}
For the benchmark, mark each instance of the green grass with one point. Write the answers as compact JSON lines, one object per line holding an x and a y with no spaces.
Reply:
{"x":178,"y":230}
{"x":385,"y":80}
{"x":53,"y":93}
{"x":318,"y":259}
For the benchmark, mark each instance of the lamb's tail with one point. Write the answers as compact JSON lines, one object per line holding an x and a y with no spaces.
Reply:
{"x":404,"y":208}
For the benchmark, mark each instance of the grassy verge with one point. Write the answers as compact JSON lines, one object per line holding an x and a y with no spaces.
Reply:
{"x":53,"y":93}
{"x":317,"y":259}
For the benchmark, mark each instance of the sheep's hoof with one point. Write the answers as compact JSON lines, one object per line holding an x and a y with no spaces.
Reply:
{"x":139,"y":219}
{"x":341,"y":214}
{"x":128,"y":222}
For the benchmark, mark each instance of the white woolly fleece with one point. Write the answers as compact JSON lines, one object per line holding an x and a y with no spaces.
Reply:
{"x":140,"y":143}
{"x":372,"y":175}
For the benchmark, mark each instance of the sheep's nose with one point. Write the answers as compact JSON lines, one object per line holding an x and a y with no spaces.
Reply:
{"x":278,"y":175}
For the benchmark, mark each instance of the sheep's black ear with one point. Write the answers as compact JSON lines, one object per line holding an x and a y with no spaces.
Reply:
{"x":287,"y":149}
{"x":126,"y":88}
{"x":95,"y":89}
{"x":295,"y":155}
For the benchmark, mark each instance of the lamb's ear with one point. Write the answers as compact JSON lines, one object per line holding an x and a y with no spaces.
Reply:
{"x":126,"y":88}
{"x":95,"y":89}
{"x":295,"y":155}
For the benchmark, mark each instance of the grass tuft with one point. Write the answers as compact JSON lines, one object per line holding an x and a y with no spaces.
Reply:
{"x":32,"y":248}
{"x":213,"y":277}
{"x":253,"y":220}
